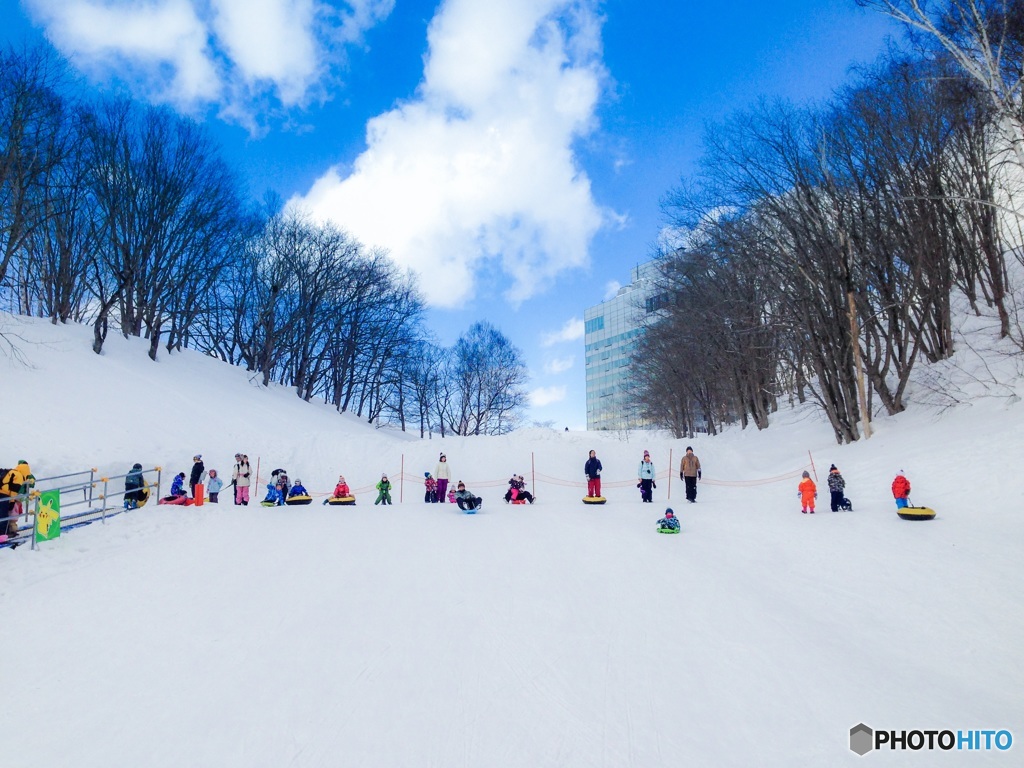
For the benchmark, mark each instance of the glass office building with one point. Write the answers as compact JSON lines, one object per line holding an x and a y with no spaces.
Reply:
{"x":611,"y":331}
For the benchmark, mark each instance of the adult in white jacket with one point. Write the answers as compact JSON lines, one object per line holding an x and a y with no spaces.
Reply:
{"x":442,"y":474}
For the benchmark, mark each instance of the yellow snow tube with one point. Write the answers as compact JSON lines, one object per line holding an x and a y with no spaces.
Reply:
{"x":916,"y":513}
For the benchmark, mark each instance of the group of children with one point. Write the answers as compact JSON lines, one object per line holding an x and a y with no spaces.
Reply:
{"x":807,"y":491}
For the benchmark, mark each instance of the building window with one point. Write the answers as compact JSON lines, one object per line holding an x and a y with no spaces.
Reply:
{"x":595,"y":324}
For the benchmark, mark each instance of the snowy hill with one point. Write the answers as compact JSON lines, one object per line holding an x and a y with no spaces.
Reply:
{"x":546,"y":635}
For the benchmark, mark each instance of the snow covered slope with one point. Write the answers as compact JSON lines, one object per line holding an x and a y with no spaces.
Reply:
{"x":545,"y":635}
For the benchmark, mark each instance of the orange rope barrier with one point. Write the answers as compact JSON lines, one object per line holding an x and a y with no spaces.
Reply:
{"x":541,"y":478}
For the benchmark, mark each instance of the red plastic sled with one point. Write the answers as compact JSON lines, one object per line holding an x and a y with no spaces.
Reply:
{"x":180,"y":501}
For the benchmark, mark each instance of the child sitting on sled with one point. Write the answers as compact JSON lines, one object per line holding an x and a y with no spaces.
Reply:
{"x":669,"y":522}
{"x":341,"y":489}
{"x":298,"y":489}
{"x":274,"y":494}
{"x":178,"y":485}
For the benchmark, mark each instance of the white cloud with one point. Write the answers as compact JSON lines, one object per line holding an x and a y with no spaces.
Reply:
{"x":546,"y":396}
{"x":611,"y":288}
{"x":571,"y":331}
{"x":233,"y":54}
{"x":559,"y":365}
{"x":479,"y":167}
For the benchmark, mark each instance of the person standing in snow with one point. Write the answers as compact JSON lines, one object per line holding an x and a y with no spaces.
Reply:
{"x":808,"y":492}
{"x":592,"y":469}
{"x":442,"y":474}
{"x":240,"y":479}
{"x":901,"y":490}
{"x":198,"y":473}
{"x":836,"y":485}
{"x":13,"y":484}
{"x":645,"y":478}
{"x":214,"y":485}
{"x":383,"y":491}
{"x":430,"y":485}
{"x":689,"y":473}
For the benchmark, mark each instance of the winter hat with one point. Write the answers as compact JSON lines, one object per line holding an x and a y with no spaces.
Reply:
{"x":297,"y":481}
{"x":833,"y":468}
{"x":197,"y":457}
{"x":646,"y":454}
{"x":900,"y":472}
{"x":689,"y":448}
{"x":426,"y":474}
{"x":136,"y":465}
{"x":20,"y":462}
{"x":669,"y":512}
{"x":806,"y":473}
{"x":442,"y":456}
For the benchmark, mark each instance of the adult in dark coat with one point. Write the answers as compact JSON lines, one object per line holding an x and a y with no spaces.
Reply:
{"x":133,"y":485}
{"x":198,"y":473}
{"x":592,"y":469}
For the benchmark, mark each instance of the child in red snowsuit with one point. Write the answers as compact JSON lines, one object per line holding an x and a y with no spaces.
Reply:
{"x":808,"y":492}
{"x":901,"y":490}
{"x":341,"y":489}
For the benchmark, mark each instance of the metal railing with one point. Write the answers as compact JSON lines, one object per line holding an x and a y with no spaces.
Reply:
{"x":97,"y":506}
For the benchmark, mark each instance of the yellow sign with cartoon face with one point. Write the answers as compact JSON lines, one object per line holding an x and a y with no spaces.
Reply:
{"x":48,"y":516}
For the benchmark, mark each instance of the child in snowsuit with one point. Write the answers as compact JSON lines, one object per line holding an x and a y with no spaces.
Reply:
{"x":645,"y":478}
{"x":517,"y":490}
{"x":808,"y":492}
{"x":592,"y":469}
{"x":836,"y":484}
{"x":279,"y":479}
{"x":274,"y":495}
{"x":451,"y":496}
{"x":214,"y":485}
{"x":341,"y":489}
{"x":178,"y":485}
{"x":467,"y":500}
{"x":901,"y":490}
{"x":669,"y":522}
{"x":298,"y":489}
{"x":384,"y":491}
{"x":430,"y":496}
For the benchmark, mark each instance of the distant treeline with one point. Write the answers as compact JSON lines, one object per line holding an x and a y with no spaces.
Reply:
{"x":823,"y":244}
{"x":126,"y":217}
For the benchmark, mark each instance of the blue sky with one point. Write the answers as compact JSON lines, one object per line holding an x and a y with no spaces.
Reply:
{"x":512,"y":152}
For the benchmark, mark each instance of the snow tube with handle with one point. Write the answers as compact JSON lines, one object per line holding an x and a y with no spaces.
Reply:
{"x":297,"y":500}
{"x":336,"y":501}
{"x":916,"y":513}
{"x":594,"y":499}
